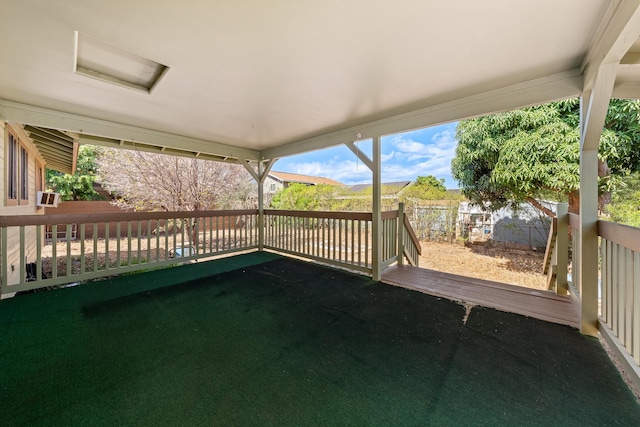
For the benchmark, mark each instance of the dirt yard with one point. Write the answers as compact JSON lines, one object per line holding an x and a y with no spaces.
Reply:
{"x":486,"y":261}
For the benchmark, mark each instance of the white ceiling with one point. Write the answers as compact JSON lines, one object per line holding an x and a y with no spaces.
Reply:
{"x":261,"y":74}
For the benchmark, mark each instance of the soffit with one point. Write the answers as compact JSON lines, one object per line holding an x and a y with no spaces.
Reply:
{"x":258,"y":75}
{"x":58,"y":149}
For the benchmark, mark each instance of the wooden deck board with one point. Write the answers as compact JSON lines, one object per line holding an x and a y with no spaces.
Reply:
{"x":539,"y":304}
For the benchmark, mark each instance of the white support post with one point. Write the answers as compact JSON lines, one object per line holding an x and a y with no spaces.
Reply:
{"x":401,"y":233}
{"x":260,"y":176}
{"x":562,"y":249}
{"x":594,"y":104}
{"x":260,"y":206}
{"x":377,"y":212}
{"x":588,"y":258}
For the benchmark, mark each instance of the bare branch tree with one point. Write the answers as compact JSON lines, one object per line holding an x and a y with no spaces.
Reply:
{"x":157,"y":182}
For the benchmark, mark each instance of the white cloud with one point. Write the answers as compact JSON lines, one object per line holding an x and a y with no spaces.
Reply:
{"x":387,"y":157}
{"x":408,"y":146}
{"x":407,"y":160}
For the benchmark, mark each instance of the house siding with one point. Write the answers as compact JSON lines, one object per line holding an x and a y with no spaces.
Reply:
{"x":13,"y":234}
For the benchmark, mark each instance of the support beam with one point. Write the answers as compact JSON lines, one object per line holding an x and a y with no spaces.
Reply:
{"x":360,"y":155}
{"x":260,"y":175}
{"x":376,"y":227}
{"x":251,"y":170}
{"x":620,"y":29}
{"x":37,"y":116}
{"x":594,"y":110}
{"x":547,"y":89}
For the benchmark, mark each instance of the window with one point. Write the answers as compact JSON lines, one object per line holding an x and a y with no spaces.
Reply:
{"x":273,"y":187}
{"x":12,"y":169}
{"x":24,"y":175}
{"x":17,"y":172}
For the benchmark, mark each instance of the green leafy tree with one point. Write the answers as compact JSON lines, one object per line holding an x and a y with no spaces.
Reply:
{"x":625,"y":202}
{"x":78,"y":186}
{"x":534,"y":153}
{"x":307,"y":197}
{"x":426,"y":188}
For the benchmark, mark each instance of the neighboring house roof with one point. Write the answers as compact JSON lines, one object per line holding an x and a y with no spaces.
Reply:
{"x":302,"y":179}
{"x":387,"y":187}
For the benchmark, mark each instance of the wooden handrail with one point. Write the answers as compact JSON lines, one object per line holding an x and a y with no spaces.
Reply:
{"x":624,"y":235}
{"x":362,"y":216}
{"x":412,"y":234}
{"x":25,"y":220}
{"x":389,"y":215}
{"x":551,"y":244}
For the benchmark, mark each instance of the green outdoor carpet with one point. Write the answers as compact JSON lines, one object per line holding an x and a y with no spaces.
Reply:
{"x":263,"y":340}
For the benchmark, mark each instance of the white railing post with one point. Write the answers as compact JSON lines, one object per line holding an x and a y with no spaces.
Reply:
{"x":401,"y":233}
{"x":376,"y":226}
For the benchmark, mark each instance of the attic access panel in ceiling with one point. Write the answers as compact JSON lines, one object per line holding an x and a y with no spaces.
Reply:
{"x":102,"y":61}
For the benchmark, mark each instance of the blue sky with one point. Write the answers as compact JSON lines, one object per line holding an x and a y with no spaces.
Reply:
{"x":404,"y":157}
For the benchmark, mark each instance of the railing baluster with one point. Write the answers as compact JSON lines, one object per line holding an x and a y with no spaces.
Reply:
{"x":68,"y":243}
{"x":148,"y":242}
{"x":118,"y":249}
{"x":107,"y":257}
{"x":166,"y":239}
{"x":129,"y":238}
{"x":235,"y":231}
{"x":174,"y":232}
{"x":83,"y":258}
{"x":609,"y":278}
{"x":4,"y":262}
{"x":22,"y":268}
{"x":95,"y":246}
{"x":39,"y":232}
{"x":54,"y":251}
{"x":636,"y":307}
{"x":217,"y":233}
{"x":366,"y":245}
{"x":621,"y":293}
{"x":211,"y":225}
{"x":628,"y":324}
{"x":139,"y":242}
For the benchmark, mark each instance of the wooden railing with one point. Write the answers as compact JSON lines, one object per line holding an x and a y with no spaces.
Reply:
{"x":98,"y":245}
{"x":337,"y":238}
{"x":142,"y":240}
{"x":620,"y":288}
{"x":410,"y":244}
{"x":390,"y":253}
{"x":343,"y":239}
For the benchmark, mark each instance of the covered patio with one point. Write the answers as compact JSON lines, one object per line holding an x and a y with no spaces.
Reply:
{"x":261,"y":339}
{"x":253,"y":82}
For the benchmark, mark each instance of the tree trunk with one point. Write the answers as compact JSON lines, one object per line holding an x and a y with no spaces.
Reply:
{"x":541,"y":207}
{"x":574,"y":202}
